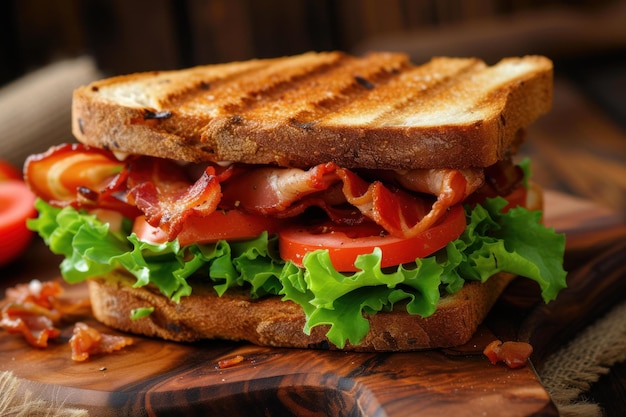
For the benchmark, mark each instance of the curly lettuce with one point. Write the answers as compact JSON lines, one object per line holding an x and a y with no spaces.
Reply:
{"x":493,"y":241}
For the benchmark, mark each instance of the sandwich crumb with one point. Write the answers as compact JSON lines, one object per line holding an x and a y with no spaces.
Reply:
{"x":230,"y":362}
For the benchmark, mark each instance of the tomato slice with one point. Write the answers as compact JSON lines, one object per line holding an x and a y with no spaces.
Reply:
{"x":344,"y":244}
{"x":16,"y":205}
{"x":219,"y":225}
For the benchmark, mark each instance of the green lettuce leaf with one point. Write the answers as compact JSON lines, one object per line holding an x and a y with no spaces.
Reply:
{"x":91,"y":249}
{"x":514,"y":242}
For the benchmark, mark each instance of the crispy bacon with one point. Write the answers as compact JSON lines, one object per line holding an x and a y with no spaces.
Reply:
{"x":32,"y":321}
{"x":450,"y":186}
{"x":513,"y":354}
{"x":78,"y":175}
{"x":110,"y":197}
{"x":86,"y":341}
{"x":502,"y":178}
{"x":230,"y":362}
{"x":37,"y":292}
{"x":162,"y":190}
{"x":288,"y":191}
{"x":35,"y":308}
{"x":47,"y":297}
{"x":30,"y":310}
{"x":270,"y":190}
{"x":399,"y":213}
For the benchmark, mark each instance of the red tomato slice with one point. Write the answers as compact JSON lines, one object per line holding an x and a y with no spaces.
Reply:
{"x":16,"y":205}
{"x":219,"y":225}
{"x":344,"y":244}
{"x":9,"y":172}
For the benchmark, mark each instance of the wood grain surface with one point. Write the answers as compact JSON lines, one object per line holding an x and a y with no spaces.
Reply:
{"x":579,"y":149}
{"x":159,"y":378}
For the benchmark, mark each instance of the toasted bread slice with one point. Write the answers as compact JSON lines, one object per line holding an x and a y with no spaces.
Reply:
{"x":375,"y":111}
{"x":272,"y":322}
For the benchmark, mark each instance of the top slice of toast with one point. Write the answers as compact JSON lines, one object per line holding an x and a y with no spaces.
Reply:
{"x":375,"y":111}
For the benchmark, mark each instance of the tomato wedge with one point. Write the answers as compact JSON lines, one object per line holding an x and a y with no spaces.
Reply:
{"x":219,"y":225}
{"x":16,"y":205}
{"x":344,"y":244}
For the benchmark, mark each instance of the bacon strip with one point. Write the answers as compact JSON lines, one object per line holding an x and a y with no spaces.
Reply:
{"x":161,"y":191}
{"x":37,"y":292}
{"x":78,"y":175}
{"x":269,"y":190}
{"x":286,"y":192}
{"x":451,"y":186}
{"x":34,"y":309}
{"x":399,"y":213}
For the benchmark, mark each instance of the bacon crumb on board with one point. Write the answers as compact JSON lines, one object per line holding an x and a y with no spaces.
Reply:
{"x":34,"y":310}
{"x":227,"y":363}
{"x":31,"y":309}
{"x":88,"y":341}
{"x":37,"y":329}
{"x":513,"y":354}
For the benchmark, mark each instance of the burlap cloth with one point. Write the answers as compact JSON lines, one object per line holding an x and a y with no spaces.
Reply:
{"x":570,"y":372}
{"x":35,"y":114}
{"x":18,"y":402}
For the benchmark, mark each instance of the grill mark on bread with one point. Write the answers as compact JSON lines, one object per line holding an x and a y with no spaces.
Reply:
{"x":148,"y":114}
{"x":364,"y":82}
{"x":162,"y":90}
{"x":200,"y":84}
{"x":222,"y":112}
{"x":327,"y":92}
{"x":411,"y":90}
{"x":239,"y":94}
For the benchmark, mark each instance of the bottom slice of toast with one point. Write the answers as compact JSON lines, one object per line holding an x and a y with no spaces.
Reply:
{"x":272,"y":322}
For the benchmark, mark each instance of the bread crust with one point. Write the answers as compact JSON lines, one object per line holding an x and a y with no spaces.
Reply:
{"x":272,"y":322}
{"x":378,"y":111}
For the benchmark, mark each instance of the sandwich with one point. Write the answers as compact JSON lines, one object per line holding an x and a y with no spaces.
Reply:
{"x":322,"y":200}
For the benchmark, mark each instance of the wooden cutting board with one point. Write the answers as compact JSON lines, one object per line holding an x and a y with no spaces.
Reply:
{"x":153,"y":377}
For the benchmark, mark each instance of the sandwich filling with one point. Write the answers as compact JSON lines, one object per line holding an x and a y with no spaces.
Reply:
{"x":338,"y":242}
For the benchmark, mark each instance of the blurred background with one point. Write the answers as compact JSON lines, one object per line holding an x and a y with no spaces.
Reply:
{"x":48,"y":48}
{"x":126,"y":36}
